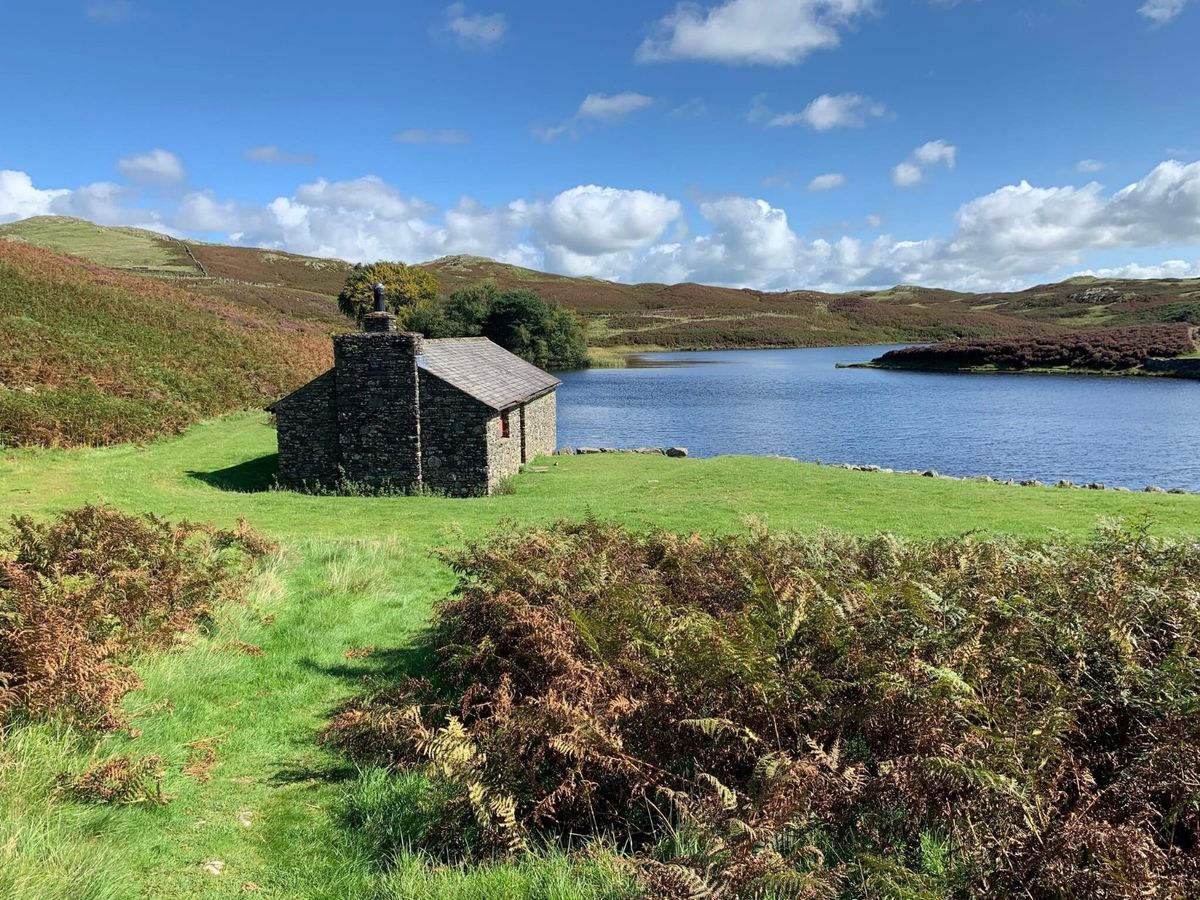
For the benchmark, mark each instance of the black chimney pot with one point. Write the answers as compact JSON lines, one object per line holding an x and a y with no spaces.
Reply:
{"x":380,"y":305}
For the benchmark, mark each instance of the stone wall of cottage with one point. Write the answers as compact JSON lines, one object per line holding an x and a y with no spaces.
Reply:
{"x":379,"y":408}
{"x":454,"y":443}
{"x":504,"y":453}
{"x":539,"y":420}
{"x":308,"y":434}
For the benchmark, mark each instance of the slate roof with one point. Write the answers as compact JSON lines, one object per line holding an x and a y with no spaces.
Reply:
{"x":486,"y":371}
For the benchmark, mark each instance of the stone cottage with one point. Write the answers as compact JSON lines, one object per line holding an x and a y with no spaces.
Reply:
{"x":397,"y":411}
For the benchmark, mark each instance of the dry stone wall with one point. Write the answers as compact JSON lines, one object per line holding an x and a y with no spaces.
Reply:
{"x":539,"y":422}
{"x":309,"y":452}
{"x":454,"y":446}
{"x":378,"y":408}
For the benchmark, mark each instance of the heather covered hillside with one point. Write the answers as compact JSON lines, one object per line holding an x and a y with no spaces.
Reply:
{"x":90,"y":355}
{"x":1107,"y":350}
{"x":639,"y":316}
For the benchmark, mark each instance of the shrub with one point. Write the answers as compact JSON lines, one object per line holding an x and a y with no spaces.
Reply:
{"x":79,"y":594}
{"x":539,"y":331}
{"x":1112,"y":350}
{"x":818,"y":716}
{"x":405,"y":286}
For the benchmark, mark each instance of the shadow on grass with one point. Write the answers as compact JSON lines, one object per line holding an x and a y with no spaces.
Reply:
{"x":384,"y":666}
{"x":373,"y":670}
{"x":250,"y":477}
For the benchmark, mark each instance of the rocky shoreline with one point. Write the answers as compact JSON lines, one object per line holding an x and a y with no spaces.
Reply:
{"x":673,"y":452}
{"x":1064,"y":484}
{"x":988,"y":479}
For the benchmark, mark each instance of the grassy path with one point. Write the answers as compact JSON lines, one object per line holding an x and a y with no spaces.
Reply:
{"x":357,"y":573}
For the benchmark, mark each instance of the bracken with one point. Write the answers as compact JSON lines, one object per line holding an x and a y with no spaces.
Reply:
{"x":817,"y":717}
{"x":78,"y":595}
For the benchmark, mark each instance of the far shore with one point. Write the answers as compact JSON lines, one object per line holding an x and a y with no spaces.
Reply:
{"x":1139,"y":372}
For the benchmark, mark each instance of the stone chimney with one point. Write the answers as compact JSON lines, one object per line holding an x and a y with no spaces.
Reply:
{"x":378,"y":401}
{"x":380,"y":319}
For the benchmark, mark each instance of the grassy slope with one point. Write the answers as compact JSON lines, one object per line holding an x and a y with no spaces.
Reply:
{"x":90,"y":355}
{"x":116,"y":248}
{"x":296,"y":287}
{"x":358,"y":572}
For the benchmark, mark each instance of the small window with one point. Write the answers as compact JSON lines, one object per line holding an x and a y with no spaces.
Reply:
{"x":504,"y":425}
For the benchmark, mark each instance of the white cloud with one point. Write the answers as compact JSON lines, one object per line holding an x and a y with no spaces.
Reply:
{"x":831,"y":111}
{"x":936,"y":152}
{"x":914,"y":169}
{"x":473,"y":30}
{"x":770,"y":32}
{"x":1171,"y":268}
{"x":157,"y":167}
{"x":1006,"y":239}
{"x":609,"y":108}
{"x":19,"y":199}
{"x":603,"y":108}
{"x":593,"y":220}
{"x":907,"y":174}
{"x":269,"y":153}
{"x":1090,"y":166}
{"x":202,"y":211}
{"x":1160,"y":12}
{"x":424,"y":136}
{"x":827,"y":182}
{"x":102,"y":202}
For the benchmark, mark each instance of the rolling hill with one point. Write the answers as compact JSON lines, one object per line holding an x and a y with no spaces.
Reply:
{"x":91,"y":355}
{"x":637,"y":316}
{"x":694,"y":316}
{"x":118,"y":334}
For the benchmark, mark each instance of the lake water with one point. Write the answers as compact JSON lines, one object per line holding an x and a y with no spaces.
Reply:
{"x":1121,"y":431}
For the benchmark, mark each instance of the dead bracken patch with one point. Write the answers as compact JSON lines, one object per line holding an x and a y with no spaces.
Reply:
{"x":118,"y":779}
{"x":776,"y":715}
{"x":202,"y":759}
{"x":359,"y":652}
{"x":80,"y":594}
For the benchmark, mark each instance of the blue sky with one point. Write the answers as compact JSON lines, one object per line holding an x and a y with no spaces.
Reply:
{"x":780,"y":144}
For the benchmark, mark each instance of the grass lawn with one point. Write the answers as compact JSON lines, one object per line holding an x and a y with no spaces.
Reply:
{"x":258,"y":794}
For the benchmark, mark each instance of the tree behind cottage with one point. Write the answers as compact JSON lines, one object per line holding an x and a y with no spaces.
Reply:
{"x":539,"y":331}
{"x":406,"y":286}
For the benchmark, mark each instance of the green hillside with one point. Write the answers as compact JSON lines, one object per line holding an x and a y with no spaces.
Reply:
{"x":89,"y":355}
{"x":116,"y":248}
